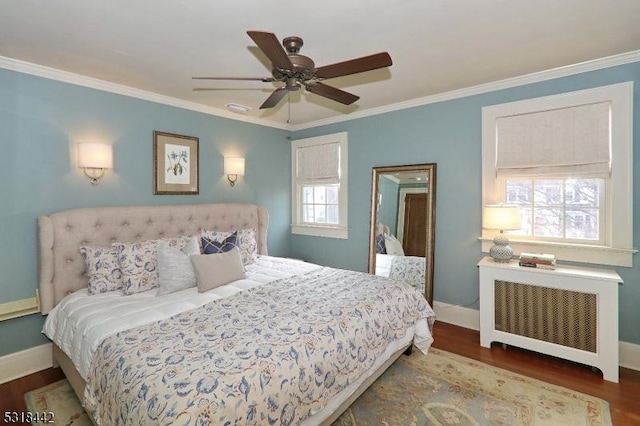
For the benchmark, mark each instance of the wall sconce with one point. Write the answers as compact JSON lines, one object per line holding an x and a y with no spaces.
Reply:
{"x":95,"y":158}
{"x":503,"y":218}
{"x":233,"y":167}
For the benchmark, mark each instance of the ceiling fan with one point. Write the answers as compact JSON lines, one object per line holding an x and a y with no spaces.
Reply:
{"x":296,"y":70}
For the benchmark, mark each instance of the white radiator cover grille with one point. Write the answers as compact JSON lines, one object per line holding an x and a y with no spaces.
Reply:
{"x":567,"y":318}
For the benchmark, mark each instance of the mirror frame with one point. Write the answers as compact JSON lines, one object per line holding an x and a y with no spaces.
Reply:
{"x":430,"y":170}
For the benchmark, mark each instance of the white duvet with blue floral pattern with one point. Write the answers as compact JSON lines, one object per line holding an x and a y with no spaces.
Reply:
{"x":274,"y":354}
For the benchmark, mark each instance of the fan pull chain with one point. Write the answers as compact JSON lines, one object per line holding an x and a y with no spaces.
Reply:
{"x":289,"y":106}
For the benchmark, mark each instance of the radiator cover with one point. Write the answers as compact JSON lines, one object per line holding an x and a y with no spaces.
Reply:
{"x":569,"y":312}
{"x":567,"y":318}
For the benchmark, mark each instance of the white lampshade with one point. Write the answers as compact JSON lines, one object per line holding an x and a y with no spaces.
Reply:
{"x":501,"y":217}
{"x":234,"y":166}
{"x":95,"y":155}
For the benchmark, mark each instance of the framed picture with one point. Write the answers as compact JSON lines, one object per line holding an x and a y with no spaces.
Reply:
{"x":175,"y":164}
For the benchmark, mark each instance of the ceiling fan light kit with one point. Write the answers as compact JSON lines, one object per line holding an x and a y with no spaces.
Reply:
{"x":296,"y":70}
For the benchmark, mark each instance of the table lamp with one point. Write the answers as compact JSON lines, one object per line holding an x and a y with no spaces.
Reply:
{"x":503,"y":218}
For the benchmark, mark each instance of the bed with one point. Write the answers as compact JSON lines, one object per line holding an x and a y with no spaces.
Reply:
{"x":391,"y":261}
{"x":266,"y":348}
{"x":410,"y":269}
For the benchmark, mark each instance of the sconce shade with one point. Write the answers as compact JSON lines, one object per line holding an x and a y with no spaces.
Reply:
{"x":95,"y":155}
{"x":234,"y":166}
{"x":502,"y":217}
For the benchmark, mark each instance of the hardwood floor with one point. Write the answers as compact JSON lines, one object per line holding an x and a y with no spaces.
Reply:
{"x":12,"y":393}
{"x":623,"y":397}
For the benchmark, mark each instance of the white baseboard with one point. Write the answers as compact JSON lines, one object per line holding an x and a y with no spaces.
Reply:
{"x":20,"y":364}
{"x":629,"y":355}
{"x":457,"y":315}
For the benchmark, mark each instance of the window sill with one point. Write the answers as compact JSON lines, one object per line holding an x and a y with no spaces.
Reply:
{"x":571,"y":252}
{"x":321,"y":231}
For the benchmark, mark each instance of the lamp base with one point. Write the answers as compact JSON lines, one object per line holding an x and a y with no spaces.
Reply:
{"x":501,"y":251}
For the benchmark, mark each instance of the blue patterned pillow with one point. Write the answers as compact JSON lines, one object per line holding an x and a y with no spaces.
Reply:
{"x":211,"y":246}
{"x":246,"y":242}
{"x":381,"y":247}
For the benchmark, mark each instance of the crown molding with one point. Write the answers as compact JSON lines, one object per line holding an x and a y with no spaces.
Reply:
{"x":94,"y":83}
{"x":105,"y":86}
{"x":593,"y":65}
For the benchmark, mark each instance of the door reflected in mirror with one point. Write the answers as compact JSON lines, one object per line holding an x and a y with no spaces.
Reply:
{"x":402,"y":224}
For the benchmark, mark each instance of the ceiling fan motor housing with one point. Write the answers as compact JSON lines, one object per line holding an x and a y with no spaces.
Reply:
{"x":303,"y":67}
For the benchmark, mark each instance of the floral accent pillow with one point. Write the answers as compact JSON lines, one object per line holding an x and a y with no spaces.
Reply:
{"x":246,"y":242}
{"x":139,"y":263}
{"x":102,"y":268}
{"x":248,"y":245}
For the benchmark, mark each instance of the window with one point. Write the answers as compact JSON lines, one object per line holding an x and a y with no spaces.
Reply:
{"x":558,"y":209}
{"x":566,"y":161}
{"x":319,"y":186}
{"x":320,"y":204}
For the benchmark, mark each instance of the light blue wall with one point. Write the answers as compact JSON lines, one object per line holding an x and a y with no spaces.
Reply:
{"x":388,"y":213}
{"x":41,"y":121}
{"x":449,"y":134}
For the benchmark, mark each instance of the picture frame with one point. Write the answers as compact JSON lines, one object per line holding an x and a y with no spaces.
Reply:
{"x":176,"y":168}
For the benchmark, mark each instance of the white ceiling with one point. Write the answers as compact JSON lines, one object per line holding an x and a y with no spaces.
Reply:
{"x":436,"y":45}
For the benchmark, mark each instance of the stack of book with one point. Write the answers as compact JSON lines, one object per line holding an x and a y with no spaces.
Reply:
{"x":538,"y":260}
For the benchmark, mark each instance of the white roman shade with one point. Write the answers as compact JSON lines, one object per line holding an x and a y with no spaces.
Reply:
{"x":318,"y":163}
{"x":565,"y":142}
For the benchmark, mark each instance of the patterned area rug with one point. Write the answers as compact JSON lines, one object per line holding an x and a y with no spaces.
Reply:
{"x":58,"y":399}
{"x":446,"y":389}
{"x":438,"y":389}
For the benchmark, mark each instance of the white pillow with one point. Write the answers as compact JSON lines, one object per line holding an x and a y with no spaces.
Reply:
{"x":214,"y":270}
{"x":175,"y":271}
{"x":393,"y":245}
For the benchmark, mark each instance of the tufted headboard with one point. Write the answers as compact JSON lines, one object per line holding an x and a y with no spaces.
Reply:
{"x":62,"y":267}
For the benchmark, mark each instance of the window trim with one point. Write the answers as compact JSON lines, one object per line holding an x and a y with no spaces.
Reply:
{"x":319,"y":230}
{"x":617,"y":249}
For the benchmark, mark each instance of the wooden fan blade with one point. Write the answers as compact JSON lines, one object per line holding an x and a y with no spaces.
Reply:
{"x":332,"y":93}
{"x":354,"y":66}
{"x":263,"y":79}
{"x":270,"y":46}
{"x":274,"y":98}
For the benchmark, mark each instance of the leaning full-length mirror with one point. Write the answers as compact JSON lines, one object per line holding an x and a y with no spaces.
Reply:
{"x":402,"y":235}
